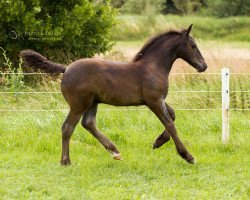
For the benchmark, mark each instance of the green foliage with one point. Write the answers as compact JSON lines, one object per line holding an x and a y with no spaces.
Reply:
{"x":218,"y":8}
{"x":158,"y":6}
{"x":143,"y":7}
{"x":12,"y":78}
{"x":72,"y":27}
{"x":225,"y":8}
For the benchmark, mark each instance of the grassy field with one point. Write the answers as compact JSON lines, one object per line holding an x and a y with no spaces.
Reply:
{"x":206,"y":28}
{"x":31,"y":147}
{"x":30,"y":154}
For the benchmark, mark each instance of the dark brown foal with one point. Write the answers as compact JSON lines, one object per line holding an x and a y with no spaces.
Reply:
{"x":144,"y":81}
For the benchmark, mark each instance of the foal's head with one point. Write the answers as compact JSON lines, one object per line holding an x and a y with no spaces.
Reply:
{"x":188,"y":51}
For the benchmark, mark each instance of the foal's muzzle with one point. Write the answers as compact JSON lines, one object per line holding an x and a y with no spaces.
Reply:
{"x":201,"y":67}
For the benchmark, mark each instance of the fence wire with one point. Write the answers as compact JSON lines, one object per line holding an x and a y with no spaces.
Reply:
{"x":124,"y":109}
{"x":174,"y":91}
{"x":175,"y":73}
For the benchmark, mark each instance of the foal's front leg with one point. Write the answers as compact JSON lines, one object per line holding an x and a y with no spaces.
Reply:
{"x":165,"y":136}
{"x":160,"y":110}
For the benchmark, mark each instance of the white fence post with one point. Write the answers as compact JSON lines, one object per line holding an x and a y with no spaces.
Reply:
{"x":225,"y":104}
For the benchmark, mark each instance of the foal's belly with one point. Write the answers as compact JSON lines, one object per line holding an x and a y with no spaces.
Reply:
{"x":120,"y":96}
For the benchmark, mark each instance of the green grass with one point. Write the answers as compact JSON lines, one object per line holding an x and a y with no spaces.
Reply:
{"x":30,"y":154}
{"x":205,"y":28}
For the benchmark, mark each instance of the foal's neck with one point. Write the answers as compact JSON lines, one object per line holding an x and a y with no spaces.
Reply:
{"x":166,"y":54}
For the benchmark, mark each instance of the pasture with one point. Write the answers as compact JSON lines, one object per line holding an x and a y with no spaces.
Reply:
{"x":31,"y":148}
{"x":30,"y":140}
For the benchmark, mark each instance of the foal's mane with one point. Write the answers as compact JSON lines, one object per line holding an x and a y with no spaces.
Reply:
{"x":151,"y":42}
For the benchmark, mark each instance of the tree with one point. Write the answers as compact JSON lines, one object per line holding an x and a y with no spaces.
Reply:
{"x":226,"y":8}
{"x":118,"y":3}
{"x":74,"y":27}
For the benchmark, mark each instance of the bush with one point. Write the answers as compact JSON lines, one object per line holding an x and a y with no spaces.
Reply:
{"x":75,"y":28}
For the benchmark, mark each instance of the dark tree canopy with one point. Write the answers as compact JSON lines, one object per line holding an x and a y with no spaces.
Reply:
{"x":226,"y":8}
{"x":76,"y":27}
{"x":218,"y":8}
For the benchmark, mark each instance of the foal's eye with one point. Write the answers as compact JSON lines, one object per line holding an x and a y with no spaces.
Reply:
{"x":193,"y":46}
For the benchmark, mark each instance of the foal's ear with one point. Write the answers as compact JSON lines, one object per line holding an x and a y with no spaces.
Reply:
{"x":189,"y":29}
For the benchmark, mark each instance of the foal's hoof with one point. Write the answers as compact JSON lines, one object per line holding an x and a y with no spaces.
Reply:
{"x":116,"y":156}
{"x":65,"y":162}
{"x":155,"y":145}
{"x":193,"y":161}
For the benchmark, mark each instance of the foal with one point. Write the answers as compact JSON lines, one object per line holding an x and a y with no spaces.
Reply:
{"x":143,"y":81}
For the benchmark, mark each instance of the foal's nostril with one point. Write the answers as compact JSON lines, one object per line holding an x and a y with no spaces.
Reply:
{"x":202,"y":67}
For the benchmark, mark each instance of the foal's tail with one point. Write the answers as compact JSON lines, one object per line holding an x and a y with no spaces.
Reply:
{"x":36,"y":60}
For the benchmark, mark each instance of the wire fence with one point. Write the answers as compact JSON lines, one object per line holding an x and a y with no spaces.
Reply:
{"x":175,"y":91}
{"x":118,"y":109}
{"x":124,"y":109}
{"x":175,"y":73}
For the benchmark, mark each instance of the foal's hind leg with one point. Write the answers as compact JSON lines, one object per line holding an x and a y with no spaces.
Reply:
{"x":165,"y":136}
{"x":89,"y":123}
{"x":67,"y":130}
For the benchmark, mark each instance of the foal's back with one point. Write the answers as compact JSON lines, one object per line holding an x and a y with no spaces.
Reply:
{"x":116,"y":83}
